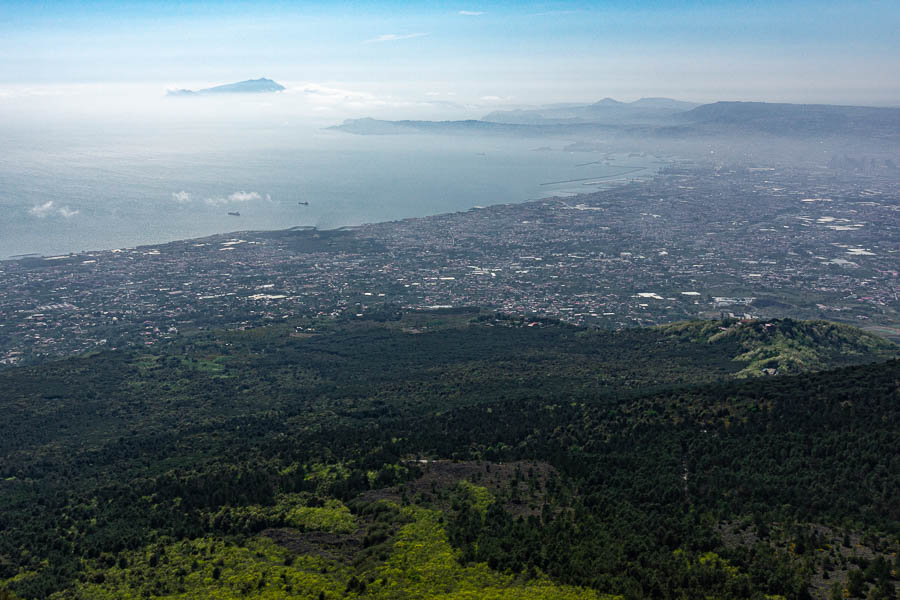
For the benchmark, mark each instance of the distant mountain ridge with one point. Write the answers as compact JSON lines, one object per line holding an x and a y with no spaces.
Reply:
{"x":802,"y":119}
{"x":608,"y":111}
{"x":369,"y":126}
{"x":250,"y":86}
{"x":663,"y":117}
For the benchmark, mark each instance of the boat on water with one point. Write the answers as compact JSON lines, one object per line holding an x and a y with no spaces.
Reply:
{"x":303,"y":203}
{"x":234,"y":214}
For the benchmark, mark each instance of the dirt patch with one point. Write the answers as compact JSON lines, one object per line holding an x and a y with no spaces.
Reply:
{"x":335,"y":546}
{"x":519,"y":486}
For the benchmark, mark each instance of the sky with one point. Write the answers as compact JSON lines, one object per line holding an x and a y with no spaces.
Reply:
{"x":369,"y":55}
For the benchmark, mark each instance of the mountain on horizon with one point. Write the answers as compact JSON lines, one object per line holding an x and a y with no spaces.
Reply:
{"x":795,"y":119}
{"x":250,"y":86}
{"x":607,"y":111}
{"x":663,"y":117}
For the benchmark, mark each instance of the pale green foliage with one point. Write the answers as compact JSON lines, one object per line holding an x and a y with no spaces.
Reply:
{"x":207,"y":568}
{"x":786,"y":345}
{"x":292,"y":510}
{"x":479,"y":497}
{"x":424,"y":565}
{"x":717,"y":572}
{"x":333,"y":517}
{"x":325,"y":476}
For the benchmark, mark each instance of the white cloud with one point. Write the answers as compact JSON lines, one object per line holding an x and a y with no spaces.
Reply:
{"x":237,"y":197}
{"x":323,"y":94}
{"x":42,"y":210}
{"x":49,"y":209}
{"x":341,"y":101}
{"x":324,"y":97}
{"x":181,"y":197}
{"x":393,"y":37}
{"x":244,"y":196}
{"x":471,"y":13}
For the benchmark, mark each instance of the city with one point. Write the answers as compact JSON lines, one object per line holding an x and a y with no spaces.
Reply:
{"x":697,"y":241}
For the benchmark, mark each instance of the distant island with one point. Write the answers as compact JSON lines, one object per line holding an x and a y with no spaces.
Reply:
{"x":251,"y":86}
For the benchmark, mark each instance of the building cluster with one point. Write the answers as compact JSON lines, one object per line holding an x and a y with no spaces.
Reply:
{"x":696,"y":241}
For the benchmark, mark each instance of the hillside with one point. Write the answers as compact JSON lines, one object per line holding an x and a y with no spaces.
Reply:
{"x":786,"y":345}
{"x":797,"y":119}
{"x":455,"y":454}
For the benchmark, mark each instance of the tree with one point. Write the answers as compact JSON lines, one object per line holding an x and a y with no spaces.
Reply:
{"x":856,"y":584}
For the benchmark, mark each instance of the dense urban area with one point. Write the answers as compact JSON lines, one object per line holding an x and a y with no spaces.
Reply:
{"x":695,"y":241}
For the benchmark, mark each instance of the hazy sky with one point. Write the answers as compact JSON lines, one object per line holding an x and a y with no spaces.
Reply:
{"x":466,"y":52}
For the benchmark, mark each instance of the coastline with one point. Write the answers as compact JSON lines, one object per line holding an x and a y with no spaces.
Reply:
{"x":603,"y":183}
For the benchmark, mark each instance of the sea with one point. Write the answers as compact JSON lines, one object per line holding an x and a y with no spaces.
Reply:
{"x":71,"y":186}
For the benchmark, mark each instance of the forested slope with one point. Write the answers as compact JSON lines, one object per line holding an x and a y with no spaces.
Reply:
{"x":458,"y":455}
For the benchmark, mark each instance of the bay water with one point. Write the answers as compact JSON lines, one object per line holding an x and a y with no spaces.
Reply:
{"x":92,"y":186}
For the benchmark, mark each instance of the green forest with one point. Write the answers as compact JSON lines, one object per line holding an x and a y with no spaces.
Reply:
{"x":458,"y":454}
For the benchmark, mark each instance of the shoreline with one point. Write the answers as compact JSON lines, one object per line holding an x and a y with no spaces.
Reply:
{"x":610,"y":183}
